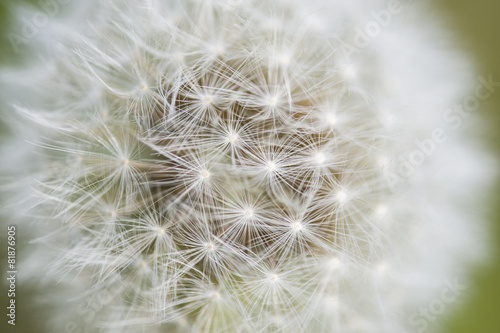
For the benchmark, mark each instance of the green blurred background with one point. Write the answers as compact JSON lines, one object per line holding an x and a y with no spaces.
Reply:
{"x":476,"y":25}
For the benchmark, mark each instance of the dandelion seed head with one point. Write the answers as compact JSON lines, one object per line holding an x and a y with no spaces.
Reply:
{"x":284,"y":59}
{"x":233,"y":166}
{"x":249,"y":213}
{"x":334,"y":262}
{"x":208,"y":100}
{"x":233,"y":137}
{"x":331,"y":119}
{"x":271,"y":166}
{"x":272,"y":101}
{"x":218,"y":49}
{"x":179,"y":57}
{"x":160,"y":231}
{"x":381,"y":210}
{"x":215,"y":295}
{"x":297,"y":226}
{"x":274,"y":278}
{"x":349,"y":71}
{"x":320,"y":158}
{"x":210,"y":246}
{"x":341,"y":196}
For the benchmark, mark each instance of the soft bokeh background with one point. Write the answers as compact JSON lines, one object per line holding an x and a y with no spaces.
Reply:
{"x":476,"y":25}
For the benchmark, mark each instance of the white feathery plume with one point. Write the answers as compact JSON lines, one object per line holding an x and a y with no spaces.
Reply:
{"x":225,"y":166}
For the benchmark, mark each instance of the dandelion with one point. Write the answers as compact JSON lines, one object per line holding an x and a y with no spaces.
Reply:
{"x":226,"y":165}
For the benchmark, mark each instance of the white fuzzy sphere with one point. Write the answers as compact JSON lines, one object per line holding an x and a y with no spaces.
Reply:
{"x":243,"y":166}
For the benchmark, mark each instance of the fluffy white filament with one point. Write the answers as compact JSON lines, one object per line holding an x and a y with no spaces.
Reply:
{"x":228,"y":167}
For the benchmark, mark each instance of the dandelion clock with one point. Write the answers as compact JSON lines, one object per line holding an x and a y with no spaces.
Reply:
{"x":241,"y":166}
